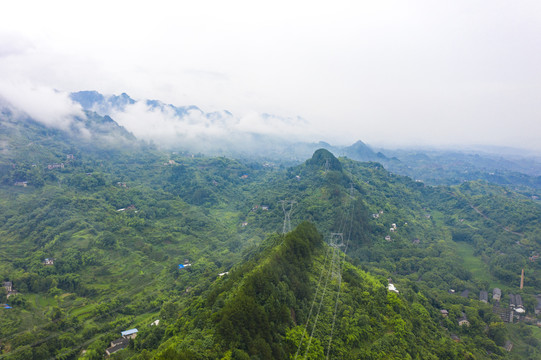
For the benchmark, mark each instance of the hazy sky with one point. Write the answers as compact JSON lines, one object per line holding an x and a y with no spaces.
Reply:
{"x":390,"y":73}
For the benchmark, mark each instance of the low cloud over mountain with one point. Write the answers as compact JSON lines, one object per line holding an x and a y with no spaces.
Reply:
{"x":191,"y":127}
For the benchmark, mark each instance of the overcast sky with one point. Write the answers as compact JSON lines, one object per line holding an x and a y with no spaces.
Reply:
{"x":391,"y":73}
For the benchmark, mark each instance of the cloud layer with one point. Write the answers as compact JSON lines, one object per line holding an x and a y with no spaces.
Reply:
{"x":209,"y":132}
{"x":51,"y":108}
{"x":389,"y":72}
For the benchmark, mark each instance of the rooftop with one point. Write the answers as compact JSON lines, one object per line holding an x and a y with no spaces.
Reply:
{"x":129,"y":332}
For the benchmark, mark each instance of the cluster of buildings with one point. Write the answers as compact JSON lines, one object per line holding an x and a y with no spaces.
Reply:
{"x":515,"y":309}
{"x":507,"y":314}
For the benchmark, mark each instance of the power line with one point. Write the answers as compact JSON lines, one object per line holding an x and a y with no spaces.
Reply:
{"x":313,"y":301}
{"x":319,"y":307}
{"x":336,"y":244}
{"x":340,"y":271}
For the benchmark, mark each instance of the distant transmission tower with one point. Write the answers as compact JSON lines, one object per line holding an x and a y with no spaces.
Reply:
{"x":287,"y":206}
{"x":337,"y":240}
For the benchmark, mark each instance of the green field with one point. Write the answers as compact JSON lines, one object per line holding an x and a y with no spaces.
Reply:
{"x":478,"y":268}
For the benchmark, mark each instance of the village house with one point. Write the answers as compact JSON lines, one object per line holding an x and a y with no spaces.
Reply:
{"x":483,"y":296}
{"x":519,"y":306}
{"x":416,"y":241}
{"x":463,"y":320}
{"x":117,"y":345}
{"x":8,"y":285}
{"x":21,"y":183}
{"x":48,"y":261}
{"x":388,"y":238}
{"x":538,"y":306}
{"x":444,"y":313}
{"x":496,"y":294}
{"x":55,"y":166}
{"x":183,"y":266}
{"x":512,"y":302}
{"x":506,"y":314}
{"x":129,"y":334}
{"x":392,"y":288}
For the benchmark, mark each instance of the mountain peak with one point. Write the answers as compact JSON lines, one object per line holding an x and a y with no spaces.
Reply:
{"x":325,"y":159}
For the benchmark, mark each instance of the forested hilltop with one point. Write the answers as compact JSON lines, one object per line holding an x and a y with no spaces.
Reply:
{"x":101,"y":233}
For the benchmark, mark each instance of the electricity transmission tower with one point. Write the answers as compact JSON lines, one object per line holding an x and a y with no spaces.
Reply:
{"x":337,"y":240}
{"x":287,"y":206}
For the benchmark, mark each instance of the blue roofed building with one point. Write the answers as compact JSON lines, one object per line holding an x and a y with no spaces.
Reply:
{"x":129,"y":334}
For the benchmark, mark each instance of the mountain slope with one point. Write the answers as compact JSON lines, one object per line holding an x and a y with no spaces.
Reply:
{"x":259,"y":310}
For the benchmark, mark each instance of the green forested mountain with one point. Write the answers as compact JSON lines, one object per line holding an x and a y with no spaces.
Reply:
{"x":116,"y":217}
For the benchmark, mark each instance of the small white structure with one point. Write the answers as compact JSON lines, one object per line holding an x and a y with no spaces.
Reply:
{"x":391,"y":287}
{"x":155,"y":322}
{"x":224,"y":273}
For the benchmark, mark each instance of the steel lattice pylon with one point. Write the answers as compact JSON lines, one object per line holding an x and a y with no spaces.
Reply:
{"x":287,"y":214}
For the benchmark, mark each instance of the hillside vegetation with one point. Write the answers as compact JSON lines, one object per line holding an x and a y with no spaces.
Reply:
{"x":117,"y":217}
